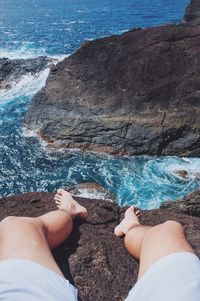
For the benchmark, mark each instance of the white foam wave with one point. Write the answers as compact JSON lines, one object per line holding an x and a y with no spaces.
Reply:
{"x":25,"y":52}
{"x":29,"y":133}
{"x":22,"y":53}
{"x":74,"y":22}
{"x":85,"y":193}
{"x":28,"y":85}
{"x":192,"y":166}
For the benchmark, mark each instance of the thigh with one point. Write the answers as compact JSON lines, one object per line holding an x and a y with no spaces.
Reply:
{"x":160,"y":241}
{"x":24,"y":238}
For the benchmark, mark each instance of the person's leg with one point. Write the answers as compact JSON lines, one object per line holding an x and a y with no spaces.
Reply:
{"x":149,"y":244}
{"x":33,"y":238}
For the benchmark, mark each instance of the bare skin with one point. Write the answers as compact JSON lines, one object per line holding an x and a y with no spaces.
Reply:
{"x":149,"y":244}
{"x":65,"y":201}
{"x":33,"y":238}
{"x":130,"y":220}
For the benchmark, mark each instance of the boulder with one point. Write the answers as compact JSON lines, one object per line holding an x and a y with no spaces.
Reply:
{"x":92,"y":190}
{"x":92,"y":258}
{"x":136,"y":93}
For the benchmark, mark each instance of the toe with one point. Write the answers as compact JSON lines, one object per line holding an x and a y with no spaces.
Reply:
{"x":60,"y":191}
{"x":137,"y":211}
{"x":84,"y":213}
{"x":56,"y":199}
{"x":57,"y":196}
{"x":57,"y":203}
{"x":118,"y":232}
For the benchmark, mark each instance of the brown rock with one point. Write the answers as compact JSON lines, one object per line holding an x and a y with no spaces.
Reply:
{"x":92,"y":190}
{"x":181,"y":173}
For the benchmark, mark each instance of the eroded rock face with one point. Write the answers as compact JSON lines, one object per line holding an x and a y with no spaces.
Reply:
{"x":192,"y":11}
{"x":11,"y":71}
{"x":93,"y":259}
{"x":137,"y":93}
{"x":190,"y":204}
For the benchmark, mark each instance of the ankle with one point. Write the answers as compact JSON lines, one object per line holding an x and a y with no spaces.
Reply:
{"x":133,"y":226}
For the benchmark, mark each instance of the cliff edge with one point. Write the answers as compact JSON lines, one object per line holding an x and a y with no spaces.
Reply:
{"x":93,"y":259}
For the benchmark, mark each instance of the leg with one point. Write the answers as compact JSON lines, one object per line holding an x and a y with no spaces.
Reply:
{"x":33,"y":238}
{"x":149,"y":244}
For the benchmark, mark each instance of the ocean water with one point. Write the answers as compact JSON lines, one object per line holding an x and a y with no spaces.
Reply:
{"x":57,"y":28}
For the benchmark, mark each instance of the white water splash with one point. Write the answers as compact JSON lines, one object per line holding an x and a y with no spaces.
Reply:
{"x":28,"y":85}
{"x":27,"y":52}
{"x":97,"y":195}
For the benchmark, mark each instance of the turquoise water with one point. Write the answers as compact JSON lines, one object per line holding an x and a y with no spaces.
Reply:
{"x":57,"y":28}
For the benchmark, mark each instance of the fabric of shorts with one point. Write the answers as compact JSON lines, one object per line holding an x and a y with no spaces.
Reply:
{"x":23,"y":280}
{"x":175,"y":277}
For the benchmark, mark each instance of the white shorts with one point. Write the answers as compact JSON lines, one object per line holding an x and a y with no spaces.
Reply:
{"x":175,"y":277}
{"x":23,"y":280}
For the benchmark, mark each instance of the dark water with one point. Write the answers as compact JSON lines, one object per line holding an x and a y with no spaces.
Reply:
{"x":57,"y":28}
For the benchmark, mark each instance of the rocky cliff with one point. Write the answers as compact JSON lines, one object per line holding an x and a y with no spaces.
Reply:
{"x":192,"y":12}
{"x":93,"y":259}
{"x":137,"y":93}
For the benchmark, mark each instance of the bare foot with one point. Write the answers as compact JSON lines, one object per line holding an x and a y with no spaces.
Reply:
{"x":130,"y":220}
{"x":65,"y":201}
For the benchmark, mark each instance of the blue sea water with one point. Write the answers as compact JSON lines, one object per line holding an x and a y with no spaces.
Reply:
{"x":57,"y":27}
{"x":29,"y":28}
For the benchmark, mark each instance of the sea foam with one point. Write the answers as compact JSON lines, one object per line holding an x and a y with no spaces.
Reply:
{"x":28,"y":85}
{"x":25,"y":52}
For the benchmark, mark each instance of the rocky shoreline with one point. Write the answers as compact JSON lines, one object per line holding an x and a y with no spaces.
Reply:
{"x":135,"y":93}
{"x":93,"y":259}
{"x":11,"y":71}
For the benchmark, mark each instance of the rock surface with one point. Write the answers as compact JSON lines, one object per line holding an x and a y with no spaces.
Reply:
{"x":190,"y":204}
{"x":137,"y":93}
{"x":91,"y":190}
{"x":93,"y":259}
{"x":192,"y":11}
{"x":11,"y":71}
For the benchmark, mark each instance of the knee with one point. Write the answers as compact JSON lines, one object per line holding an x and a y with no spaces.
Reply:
{"x":8,"y":220}
{"x":11,"y":221}
{"x":173,"y":225}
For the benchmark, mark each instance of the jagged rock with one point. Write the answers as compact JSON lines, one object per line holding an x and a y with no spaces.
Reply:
{"x":190,"y":204}
{"x":12,"y":70}
{"x":192,"y":11}
{"x":136,"y":93}
{"x":91,"y":190}
{"x":93,"y":259}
